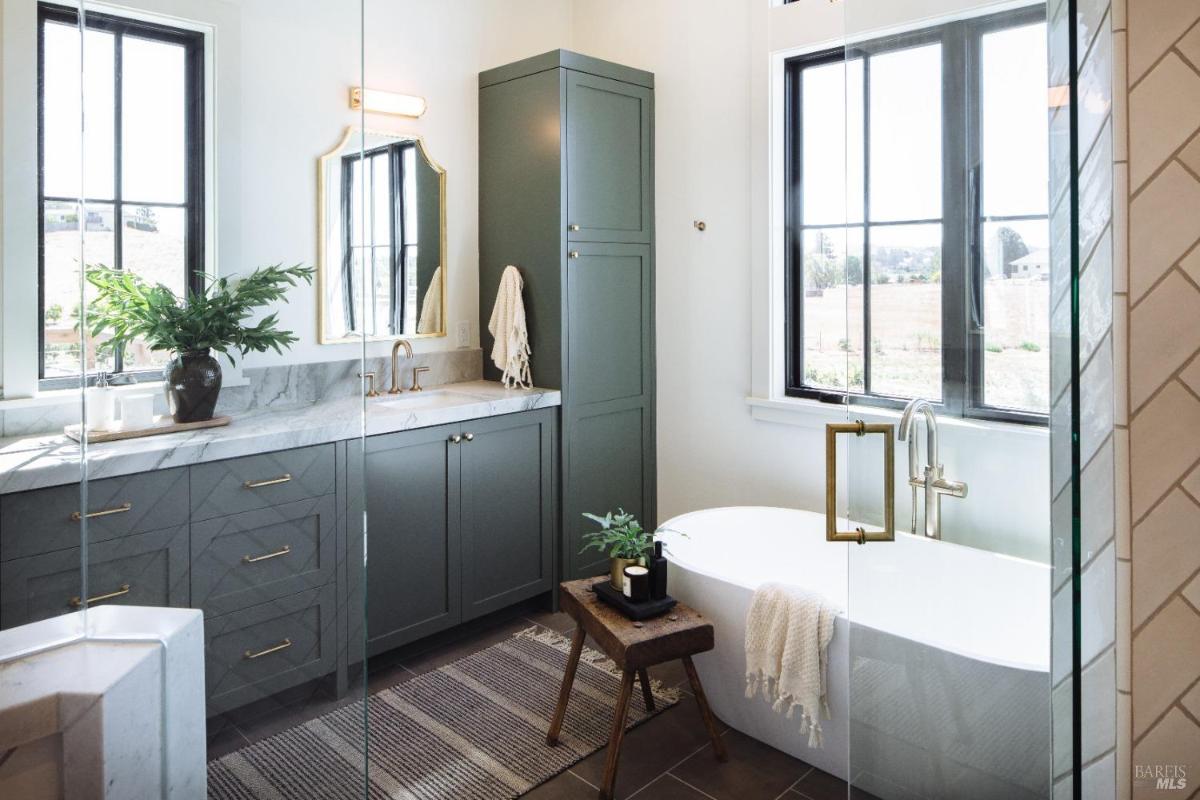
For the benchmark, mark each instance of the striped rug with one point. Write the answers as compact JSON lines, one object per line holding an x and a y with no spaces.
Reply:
{"x":471,"y":730}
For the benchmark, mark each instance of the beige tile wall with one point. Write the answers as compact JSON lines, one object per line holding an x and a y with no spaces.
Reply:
{"x":1156,"y":46}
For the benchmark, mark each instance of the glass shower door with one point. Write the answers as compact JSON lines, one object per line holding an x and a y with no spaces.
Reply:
{"x":948,"y":620}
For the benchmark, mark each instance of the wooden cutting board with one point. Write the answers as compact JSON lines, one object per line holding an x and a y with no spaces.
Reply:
{"x":162,"y":424}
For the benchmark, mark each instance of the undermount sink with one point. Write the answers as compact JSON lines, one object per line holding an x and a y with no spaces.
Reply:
{"x":412,"y":401}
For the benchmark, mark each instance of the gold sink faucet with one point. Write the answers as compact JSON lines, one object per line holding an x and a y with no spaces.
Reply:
{"x":408,"y":353}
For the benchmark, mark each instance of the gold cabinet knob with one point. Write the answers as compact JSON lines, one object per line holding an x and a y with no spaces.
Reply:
{"x":470,"y":437}
{"x":455,"y":439}
{"x":572,"y":227}
{"x":573,"y":254}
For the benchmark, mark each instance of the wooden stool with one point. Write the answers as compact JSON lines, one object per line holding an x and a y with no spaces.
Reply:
{"x":681,"y":633}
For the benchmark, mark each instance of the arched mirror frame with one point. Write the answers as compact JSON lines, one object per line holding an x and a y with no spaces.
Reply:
{"x":324,"y":336}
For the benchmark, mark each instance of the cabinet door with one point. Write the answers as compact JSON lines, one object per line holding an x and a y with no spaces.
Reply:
{"x":608,"y":416}
{"x":256,"y":556}
{"x":410,"y":487}
{"x":609,"y":142}
{"x":507,"y":498}
{"x":144,"y":569}
{"x":261,"y":650}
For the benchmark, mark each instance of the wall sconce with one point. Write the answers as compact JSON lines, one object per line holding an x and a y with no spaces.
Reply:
{"x":376,"y":101}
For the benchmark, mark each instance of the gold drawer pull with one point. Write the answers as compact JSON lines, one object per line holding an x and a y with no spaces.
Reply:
{"x":283,"y":551}
{"x":77,"y":602}
{"x":250,"y":655}
{"x":106,"y":512}
{"x":284,"y":478}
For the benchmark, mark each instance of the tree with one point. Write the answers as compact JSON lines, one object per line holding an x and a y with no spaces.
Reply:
{"x":1012,"y":247}
{"x":854,"y":271}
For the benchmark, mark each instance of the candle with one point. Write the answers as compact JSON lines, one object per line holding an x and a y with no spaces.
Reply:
{"x":637,"y":584}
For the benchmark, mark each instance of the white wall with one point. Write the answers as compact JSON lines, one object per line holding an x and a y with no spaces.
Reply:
{"x":713,"y":64}
{"x":283,"y":70}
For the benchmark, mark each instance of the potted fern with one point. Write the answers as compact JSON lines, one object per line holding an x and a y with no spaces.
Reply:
{"x":622,"y":537}
{"x":128,"y":308}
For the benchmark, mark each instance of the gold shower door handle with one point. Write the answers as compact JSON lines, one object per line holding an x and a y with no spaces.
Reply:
{"x":859,"y":534}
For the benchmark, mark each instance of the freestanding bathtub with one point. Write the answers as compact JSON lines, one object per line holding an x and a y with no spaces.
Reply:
{"x":938,"y":678}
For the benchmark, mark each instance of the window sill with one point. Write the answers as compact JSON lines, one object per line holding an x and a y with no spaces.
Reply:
{"x":64,"y":397}
{"x":815,"y":414}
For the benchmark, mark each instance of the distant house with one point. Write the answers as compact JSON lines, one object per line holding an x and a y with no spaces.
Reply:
{"x":1034,"y":265}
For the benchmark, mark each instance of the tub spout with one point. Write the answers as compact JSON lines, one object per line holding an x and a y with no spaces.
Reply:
{"x":928,"y":477}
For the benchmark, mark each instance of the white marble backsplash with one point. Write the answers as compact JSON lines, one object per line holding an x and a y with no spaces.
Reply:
{"x":285,"y":386}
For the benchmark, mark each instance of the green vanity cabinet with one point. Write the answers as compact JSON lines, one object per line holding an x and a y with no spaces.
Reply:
{"x":507,"y":502}
{"x":269,"y":546}
{"x":566,"y":194}
{"x":411,"y":492}
{"x":460,"y":522}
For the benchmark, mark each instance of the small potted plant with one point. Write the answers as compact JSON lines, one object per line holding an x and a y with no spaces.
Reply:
{"x":622,"y":537}
{"x":129,"y":308}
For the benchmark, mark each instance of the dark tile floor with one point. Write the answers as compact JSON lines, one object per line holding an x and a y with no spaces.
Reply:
{"x":667,"y":758}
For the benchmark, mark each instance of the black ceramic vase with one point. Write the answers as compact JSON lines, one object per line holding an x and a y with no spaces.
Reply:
{"x":193,"y":383}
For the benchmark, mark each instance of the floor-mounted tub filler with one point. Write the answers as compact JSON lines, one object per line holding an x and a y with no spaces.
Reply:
{"x":938,"y":675}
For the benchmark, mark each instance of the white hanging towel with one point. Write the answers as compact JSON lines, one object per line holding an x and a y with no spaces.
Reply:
{"x":430,"y":320}
{"x":788,"y":631}
{"x":510,"y":352}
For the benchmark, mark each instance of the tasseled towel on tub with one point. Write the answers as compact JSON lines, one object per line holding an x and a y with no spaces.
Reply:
{"x":788,"y":631}
{"x":510,"y":353}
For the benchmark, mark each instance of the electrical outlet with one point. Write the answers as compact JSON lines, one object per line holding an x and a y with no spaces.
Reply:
{"x":464,"y":333}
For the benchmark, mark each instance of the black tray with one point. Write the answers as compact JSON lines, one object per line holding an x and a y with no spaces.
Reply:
{"x":635,"y":611}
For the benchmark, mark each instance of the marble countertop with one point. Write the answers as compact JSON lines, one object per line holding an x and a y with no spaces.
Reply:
{"x":34,"y":462}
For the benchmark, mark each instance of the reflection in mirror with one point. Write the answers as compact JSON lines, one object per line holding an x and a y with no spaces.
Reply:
{"x":381,"y":256}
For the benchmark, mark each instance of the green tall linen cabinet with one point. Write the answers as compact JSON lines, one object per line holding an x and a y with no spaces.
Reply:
{"x":566,"y":194}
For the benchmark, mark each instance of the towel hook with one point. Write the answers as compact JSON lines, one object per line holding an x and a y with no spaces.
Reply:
{"x":700,"y":225}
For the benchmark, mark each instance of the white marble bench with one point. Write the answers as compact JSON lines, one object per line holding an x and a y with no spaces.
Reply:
{"x":118,"y":713}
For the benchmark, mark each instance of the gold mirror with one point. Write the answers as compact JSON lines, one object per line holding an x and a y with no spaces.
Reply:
{"x":381,"y":255}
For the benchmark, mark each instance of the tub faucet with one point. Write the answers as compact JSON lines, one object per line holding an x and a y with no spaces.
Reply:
{"x":930,"y":476}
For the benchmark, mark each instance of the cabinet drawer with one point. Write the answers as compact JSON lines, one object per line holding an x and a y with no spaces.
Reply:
{"x":256,"y":556}
{"x":146,"y":569}
{"x":259,"y":651}
{"x":228,"y":487}
{"x":44,"y":520}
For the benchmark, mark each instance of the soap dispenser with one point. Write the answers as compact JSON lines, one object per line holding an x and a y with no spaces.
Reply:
{"x":100,"y":404}
{"x":658,"y":573}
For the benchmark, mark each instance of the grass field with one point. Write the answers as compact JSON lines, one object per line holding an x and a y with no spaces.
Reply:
{"x":158,"y":257}
{"x":906,"y":322}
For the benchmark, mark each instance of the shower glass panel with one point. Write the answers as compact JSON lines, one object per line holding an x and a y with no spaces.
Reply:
{"x":949,"y":624}
{"x":44,"y":552}
{"x":193,"y":175}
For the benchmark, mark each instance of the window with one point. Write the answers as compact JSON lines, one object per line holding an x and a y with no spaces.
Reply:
{"x":917,"y":228}
{"x":379,"y":237}
{"x":140,"y":165}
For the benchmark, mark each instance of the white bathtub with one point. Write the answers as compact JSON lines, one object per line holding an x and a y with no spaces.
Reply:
{"x":939,"y":665}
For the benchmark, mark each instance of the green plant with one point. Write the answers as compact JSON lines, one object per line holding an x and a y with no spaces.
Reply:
{"x":1032,"y":347}
{"x":994,"y":348}
{"x":213,"y":319}
{"x":54,"y":313}
{"x":620,"y":535}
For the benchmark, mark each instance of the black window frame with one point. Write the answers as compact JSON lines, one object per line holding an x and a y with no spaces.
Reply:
{"x":193,"y":203}
{"x":399,"y":239}
{"x":962,"y":262}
